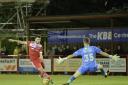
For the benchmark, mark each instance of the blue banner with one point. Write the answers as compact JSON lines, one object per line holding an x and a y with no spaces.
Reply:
{"x":27,"y":69}
{"x":96,"y":35}
{"x":120,"y":35}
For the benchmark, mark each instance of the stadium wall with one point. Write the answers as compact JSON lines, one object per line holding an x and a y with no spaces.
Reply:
{"x":25,"y":65}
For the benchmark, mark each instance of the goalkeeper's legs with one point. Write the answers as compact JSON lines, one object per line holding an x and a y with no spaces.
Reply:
{"x":103,"y":71}
{"x":72,"y":78}
{"x":82,"y":69}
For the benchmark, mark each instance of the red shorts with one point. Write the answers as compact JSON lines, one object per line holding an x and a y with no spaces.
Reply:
{"x":38,"y":63}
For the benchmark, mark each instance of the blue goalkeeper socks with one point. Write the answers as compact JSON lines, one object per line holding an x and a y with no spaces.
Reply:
{"x":71,"y":79}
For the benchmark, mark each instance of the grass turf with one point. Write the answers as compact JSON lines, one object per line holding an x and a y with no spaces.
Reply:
{"x":17,"y":79}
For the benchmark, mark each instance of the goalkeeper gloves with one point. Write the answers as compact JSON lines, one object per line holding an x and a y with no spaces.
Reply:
{"x":61,"y":60}
{"x":114,"y":57}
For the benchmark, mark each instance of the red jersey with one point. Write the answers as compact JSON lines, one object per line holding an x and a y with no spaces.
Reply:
{"x":34,"y":50}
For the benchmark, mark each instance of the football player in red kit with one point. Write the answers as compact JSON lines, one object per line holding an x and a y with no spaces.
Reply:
{"x":35,"y":55}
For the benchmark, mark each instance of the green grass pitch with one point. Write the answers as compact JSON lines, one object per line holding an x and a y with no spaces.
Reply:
{"x":17,"y":79}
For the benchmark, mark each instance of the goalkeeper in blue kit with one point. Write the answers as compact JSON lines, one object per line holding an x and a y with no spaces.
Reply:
{"x":89,"y":64}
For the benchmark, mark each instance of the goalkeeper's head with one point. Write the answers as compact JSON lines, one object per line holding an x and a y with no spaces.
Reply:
{"x":86,"y":41}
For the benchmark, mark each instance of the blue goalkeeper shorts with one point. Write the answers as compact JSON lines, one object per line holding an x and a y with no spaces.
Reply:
{"x":84,"y":69}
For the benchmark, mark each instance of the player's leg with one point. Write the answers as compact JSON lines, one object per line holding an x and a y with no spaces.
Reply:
{"x":103,"y":71}
{"x":79,"y":72}
{"x":73,"y":77}
{"x":50,"y":80}
{"x":42,"y":63}
{"x":45,"y":77}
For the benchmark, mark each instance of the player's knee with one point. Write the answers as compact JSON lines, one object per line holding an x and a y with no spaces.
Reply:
{"x":100,"y":66}
{"x":77,"y":74}
{"x":44,"y":75}
{"x":40,"y":69}
{"x":45,"y":81}
{"x":42,"y":63}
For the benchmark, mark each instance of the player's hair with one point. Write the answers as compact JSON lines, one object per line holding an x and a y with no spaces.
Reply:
{"x":86,"y":40}
{"x":38,"y":36}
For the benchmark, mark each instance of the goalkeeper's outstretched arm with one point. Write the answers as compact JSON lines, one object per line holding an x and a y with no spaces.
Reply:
{"x":104,"y":54}
{"x":113,"y":57}
{"x":69,"y":56}
{"x":17,"y":41}
{"x":61,"y":60}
